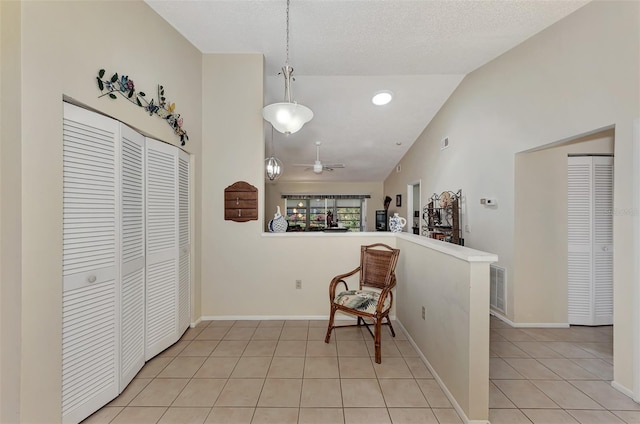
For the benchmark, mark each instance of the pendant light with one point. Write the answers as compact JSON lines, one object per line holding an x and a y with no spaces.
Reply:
{"x":273,"y":165}
{"x":287,"y":117}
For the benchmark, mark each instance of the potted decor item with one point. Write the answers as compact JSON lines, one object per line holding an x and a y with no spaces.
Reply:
{"x":278,"y":224}
{"x":397,"y":223}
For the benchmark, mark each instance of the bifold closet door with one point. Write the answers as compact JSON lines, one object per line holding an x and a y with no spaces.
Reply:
{"x":590,"y":240}
{"x":162,"y":288}
{"x":132,"y":254}
{"x":184,"y":318}
{"x":90,"y":298}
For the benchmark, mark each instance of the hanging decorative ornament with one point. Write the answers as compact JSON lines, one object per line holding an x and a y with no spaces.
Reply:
{"x":273,"y":165}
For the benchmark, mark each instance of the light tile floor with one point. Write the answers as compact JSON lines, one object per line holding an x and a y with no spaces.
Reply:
{"x":555,"y":375}
{"x":282,"y":372}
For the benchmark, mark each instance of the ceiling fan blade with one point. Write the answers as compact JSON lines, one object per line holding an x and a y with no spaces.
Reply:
{"x":318,"y":167}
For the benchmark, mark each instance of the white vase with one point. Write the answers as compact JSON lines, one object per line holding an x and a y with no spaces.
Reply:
{"x":397,"y":223}
{"x":278,"y":224}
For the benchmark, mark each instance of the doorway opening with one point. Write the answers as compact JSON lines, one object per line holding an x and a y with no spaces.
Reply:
{"x":414,"y":207}
{"x":541,"y":257}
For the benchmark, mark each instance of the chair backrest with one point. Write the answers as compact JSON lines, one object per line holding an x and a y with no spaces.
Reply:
{"x":377,"y":265}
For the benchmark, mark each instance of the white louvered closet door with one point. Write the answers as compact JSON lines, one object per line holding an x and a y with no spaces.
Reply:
{"x":590,"y":240}
{"x":603,"y":241}
{"x":184,"y":308}
{"x":162,"y":288}
{"x":132,"y":255}
{"x":90,"y":290}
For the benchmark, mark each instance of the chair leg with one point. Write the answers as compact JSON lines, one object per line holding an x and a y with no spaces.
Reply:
{"x":330,"y":327}
{"x":393,"y":333}
{"x":376,"y":340}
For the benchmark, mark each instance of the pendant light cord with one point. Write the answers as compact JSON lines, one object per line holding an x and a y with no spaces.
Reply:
{"x":287,"y":52}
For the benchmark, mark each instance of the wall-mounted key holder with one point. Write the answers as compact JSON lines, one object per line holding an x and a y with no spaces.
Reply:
{"x":241,"y":202}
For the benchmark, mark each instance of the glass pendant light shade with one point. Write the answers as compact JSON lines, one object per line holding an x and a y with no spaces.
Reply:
{"x":287,"y":117}
{"x":273,"y":167}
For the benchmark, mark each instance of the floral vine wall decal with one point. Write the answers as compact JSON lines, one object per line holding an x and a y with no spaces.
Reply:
{"x":124,"y":86}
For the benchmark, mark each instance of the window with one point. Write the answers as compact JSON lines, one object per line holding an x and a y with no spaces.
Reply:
{"x":315,"y":213}
{"x":297,"y":214}
{"x":349,"y":213}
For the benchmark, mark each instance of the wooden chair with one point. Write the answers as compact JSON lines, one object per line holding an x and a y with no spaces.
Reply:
{"x":377,"y":270}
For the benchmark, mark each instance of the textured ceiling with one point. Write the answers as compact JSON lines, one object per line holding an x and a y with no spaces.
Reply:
{"x":345,"y":51}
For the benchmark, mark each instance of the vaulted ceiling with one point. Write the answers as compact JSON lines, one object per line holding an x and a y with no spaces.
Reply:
{"x":344,"y":51}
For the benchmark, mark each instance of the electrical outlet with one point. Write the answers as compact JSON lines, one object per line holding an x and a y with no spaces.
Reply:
{"x":424,"y":313}
{"x":298,"y":284}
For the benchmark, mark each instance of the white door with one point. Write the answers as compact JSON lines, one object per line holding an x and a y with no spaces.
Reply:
{"x":90,"y":290}
{"x":590,"y":240}
{"x":162,"y":289}
{"x":132,"y":254}
{"x":185,"y":243}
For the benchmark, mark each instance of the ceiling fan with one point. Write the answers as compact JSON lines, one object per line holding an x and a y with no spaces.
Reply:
{"x":318,"y":166}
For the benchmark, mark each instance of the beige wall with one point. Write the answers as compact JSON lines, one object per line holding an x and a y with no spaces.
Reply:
{"x":245,"y":272}
{"x":64,"y":44}
{"x":258,"y":278}
{"x":274,"y":192}
{"x":454,"y":336}
{"x":10,"y":209}
{"x":541,"y":228}
{"x":577,"y":76}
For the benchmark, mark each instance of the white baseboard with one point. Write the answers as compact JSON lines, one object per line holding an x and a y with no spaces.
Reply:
{"x":619,"y":387}
{"x":276,"y":317}
{"x":261,"y":317}
{"x":198,"y":321}
{"x":529,"y":324}
{"x":446,"y":391}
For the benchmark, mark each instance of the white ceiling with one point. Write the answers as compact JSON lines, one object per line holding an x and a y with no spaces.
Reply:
{"x":343,"y":51}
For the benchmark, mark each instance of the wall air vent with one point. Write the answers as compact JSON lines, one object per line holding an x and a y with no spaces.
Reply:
{"x":498,"y":289}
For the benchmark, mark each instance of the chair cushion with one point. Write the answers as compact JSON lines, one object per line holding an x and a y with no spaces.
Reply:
{"x":361,"y":300}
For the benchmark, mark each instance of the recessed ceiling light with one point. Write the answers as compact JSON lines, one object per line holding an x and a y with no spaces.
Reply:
{"x":382,"y":98}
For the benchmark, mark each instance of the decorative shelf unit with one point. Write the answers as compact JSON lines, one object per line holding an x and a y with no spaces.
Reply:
{"x":241,"y":202}
{"x":441,"y":217}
